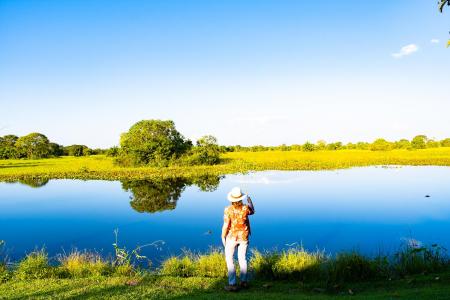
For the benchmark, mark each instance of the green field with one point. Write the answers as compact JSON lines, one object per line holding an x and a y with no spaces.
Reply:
{"x":102,"y":167}
{"x":166,"y":287}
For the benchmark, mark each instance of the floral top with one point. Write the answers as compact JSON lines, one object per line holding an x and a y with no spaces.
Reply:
{"x":236,"y":225}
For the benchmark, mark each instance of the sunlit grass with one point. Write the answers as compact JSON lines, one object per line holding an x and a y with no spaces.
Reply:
{"x":102,"y":167}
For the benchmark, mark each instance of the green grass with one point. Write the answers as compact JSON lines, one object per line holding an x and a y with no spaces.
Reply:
{"x":102,"y":167}
{"x":294,"y":273}
{"x":430,"y":286}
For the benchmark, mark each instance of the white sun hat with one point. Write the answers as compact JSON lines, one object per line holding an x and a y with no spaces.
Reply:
{"x":236,"y":195}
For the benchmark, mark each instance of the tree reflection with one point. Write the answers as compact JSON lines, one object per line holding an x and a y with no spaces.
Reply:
{"x":34,"y":182}
{"x":157,"y":195}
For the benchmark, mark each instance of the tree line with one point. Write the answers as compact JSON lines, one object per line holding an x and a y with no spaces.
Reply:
{"x":418,"y":142}
{"x":36,"y":146}
{"x":159,"y":143}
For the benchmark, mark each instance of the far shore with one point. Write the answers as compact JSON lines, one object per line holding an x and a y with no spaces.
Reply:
{"x":103,"y":168}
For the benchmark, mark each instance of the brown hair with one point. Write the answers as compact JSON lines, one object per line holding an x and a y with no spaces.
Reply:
{"x":237,"y":204}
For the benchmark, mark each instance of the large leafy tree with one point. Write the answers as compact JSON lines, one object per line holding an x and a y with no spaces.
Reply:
{"x":34,"y":145}
{"x":152,"y":142}
{"x":8,"y":146}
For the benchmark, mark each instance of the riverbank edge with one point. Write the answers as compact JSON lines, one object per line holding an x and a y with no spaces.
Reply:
{"x":431,"y":286}
{"x":100,"y":167}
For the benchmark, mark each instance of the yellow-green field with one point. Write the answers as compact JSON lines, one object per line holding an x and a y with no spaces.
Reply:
{"x":102,"y":167}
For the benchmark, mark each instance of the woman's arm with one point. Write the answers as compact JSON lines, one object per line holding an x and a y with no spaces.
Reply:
{"x":250,"y":205}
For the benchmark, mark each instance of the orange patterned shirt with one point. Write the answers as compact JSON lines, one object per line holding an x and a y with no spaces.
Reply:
{"x":235,"y":223}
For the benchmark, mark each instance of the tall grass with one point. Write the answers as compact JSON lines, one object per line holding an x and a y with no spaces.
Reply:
{"x":84,"y":264}
{"x":189,"y":264}
{"x":293,"y":264}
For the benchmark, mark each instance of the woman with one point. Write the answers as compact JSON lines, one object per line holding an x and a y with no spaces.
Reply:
{"x":235,"y":233}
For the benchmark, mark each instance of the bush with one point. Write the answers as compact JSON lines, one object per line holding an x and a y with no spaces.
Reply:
{"x":211,"y":265}
{"x":78,"y":264}
{"x":262,"y":263}
{"x":203,"y":265}
{"x":380,"y":145}
{"x":175,"y":266}
{"x":415,"y":259}
{"x":299,"y":264}
{"x":34,"y":266}
{"x":4,"y":273}
{"x":350,"y":267}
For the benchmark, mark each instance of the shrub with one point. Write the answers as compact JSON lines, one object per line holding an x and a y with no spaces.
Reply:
{"x":211,"y":265}
{"x":34,"y":266}
{"x":350,"y":267}
{"x":262,"y":263}
{"x":299,"y":264}
{"x":79,"y":264}
{"x":175,"y":266}
{"x":414,"y":259}
{"x":5,"y":274}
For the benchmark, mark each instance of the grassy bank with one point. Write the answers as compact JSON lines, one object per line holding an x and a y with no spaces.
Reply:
{"x":101,"y":167}
{"x":413,"y":273}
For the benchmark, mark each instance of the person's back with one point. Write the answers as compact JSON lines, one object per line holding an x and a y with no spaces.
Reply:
{"x":235,"y":233}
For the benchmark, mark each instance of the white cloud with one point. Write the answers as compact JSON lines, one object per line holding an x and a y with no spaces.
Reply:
{"x":406,"y":50}
{"x":434,"y":41}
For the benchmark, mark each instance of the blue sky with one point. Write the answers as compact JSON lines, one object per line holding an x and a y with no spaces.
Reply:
{"x":248,"y":72}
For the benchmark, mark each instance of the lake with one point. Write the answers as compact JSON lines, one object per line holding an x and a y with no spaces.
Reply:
{"x":367,"y":209}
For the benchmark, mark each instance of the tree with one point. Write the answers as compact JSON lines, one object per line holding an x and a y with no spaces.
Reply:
{"x":76,"y":150}
{"x":402,"y":144}
{"x":419,"y":142}
{"x":445,"y":142}
{"x":380,"y":145}
{"x":8,"y":146}
{"x":308,"y":147}
{"x":34,"y":145}
{"x":56,"y":150}
{"x":433,"y":144}
{"x":207,"y":151}
{"x":152,"y":142}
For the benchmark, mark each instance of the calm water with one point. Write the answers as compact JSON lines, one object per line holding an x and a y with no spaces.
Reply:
{"x":368,"y":209}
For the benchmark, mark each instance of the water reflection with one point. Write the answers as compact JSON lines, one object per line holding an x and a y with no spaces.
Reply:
{"x":154,"y":195}
{"x":157,"y":195}
{"x":34,"y":182}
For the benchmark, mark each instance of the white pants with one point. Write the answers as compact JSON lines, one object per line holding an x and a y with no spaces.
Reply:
{"x":230,"y":246}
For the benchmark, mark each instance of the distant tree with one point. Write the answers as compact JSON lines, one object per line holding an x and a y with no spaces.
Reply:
{"x":334,"y":146}
{"x":152,"y":142}
{"x":112,"y":152}
{"x":8,"y":147}
{"x":34,"y":145}
{"x":445,"y":142}
{"x":75,"y":150}
{"x":206,"y":152}
{"x":380,"y":145}
{"x":419,"y":142}
{"x":308,"y":147}
{"x":321,"y":145}
{"x":402,"y":144}
{"x":56,"y":150}
{"x":433,"y":144}
{"x":362,"y":146}
{"x":284,"y":147}
{"x":351,"y":146}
